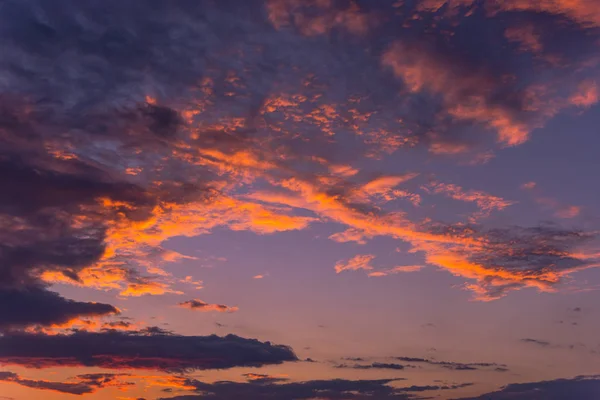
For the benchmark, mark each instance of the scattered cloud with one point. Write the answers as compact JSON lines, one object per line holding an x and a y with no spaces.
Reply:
{"x":484,"y":201}
{"x":199,"y":305}
{"x":396,"y":270}
{"x":361,"y":261}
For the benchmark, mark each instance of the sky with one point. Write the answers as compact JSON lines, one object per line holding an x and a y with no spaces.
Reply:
{"x":299,"y":199}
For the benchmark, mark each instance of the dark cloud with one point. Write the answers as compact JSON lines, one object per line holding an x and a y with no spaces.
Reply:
{"x":262,"y":378}
{"x":20,"y":308}
{"x":541,"y":343}
{"x":149,"y":349}
{"x":581,"y":388}
{"x":329,"y":389}
{"x":456,"y":366}
{"x":375,"y":365}
{"x":78,"y":385}
{"x":200,"y":305}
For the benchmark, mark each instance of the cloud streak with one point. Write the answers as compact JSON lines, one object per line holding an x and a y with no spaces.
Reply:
{"x":199,"y":305}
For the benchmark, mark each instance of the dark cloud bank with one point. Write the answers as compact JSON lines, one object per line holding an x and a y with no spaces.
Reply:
{"x":150,"y":349}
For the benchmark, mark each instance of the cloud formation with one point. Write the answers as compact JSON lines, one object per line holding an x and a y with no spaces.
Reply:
{"x":199,"y":305}
{"x":150,"y":349}
{"x":455,"y":366}
{"x":118,"y":134}
{"x":582,"y":387}
{"x":330,"y":389}
{"x":78,"y":385}
{"x":375,"y":365}
{"x":360,"y":261}
{"x":34,"y":306}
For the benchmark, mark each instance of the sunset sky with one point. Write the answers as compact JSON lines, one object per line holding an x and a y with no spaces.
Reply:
{"x":299,"y":199}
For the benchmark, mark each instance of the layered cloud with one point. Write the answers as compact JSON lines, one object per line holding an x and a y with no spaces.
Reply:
{"x":78,"y":385}
{"x":584,"y":388}
{"x":455,"y":366}
{"x":150,"y":350}
{"x":330,"y":389}
{"x":199,"y":305}
{"x":360,"y":261}
{"x":34,"y":306}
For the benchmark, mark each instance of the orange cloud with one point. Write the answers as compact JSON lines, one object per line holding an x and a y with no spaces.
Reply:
{"x":349,"y":235}
{"x":136,"y":289}
{"x":560,"y":210}
{"x":586,"y":95}
{"x":323,"y":18}
{"x":78,"y":385}
{"x":345,"y":171}
{"x":584,"y":12}
{"x":190,"y":280}
{"x":466,"y":95}
{"x":384,"y":185}
{"x":486,"y":202}
{"x":175,"y":382}
{"x":526,"y":36}
{"x":396,"y":270}
{"x":568,"y":212}
{"x":355,"y":263}
{"x":492,"y":258}
{"x":528,"y":185}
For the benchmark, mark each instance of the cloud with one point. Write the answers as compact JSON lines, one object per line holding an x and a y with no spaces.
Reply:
{"x":510,"y":258}
{"x":318,"y":17}
{"x":330,"y":389}
{"x":199,"y":305}
{"x":541,"y":343}
{"x":586,"y":95}
{"x":581,"y":387}
{"x":34,"y":306}
{"x":262,"y":378}
{"x":585,"y":12}
{"x":486,"y":202}
{"x":396,"y":270}
{"x":78,"y":385}
{"x":544,"y":255}
{"x":150,"y":350}
{"x":360,"y":261}
{"x":456,"y":366}
{"x":375,"y":365}
{"x":153,"y":128}
{"x":526,"y":36}
{"x":467,"y":94}
{"x":560,"y":209}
